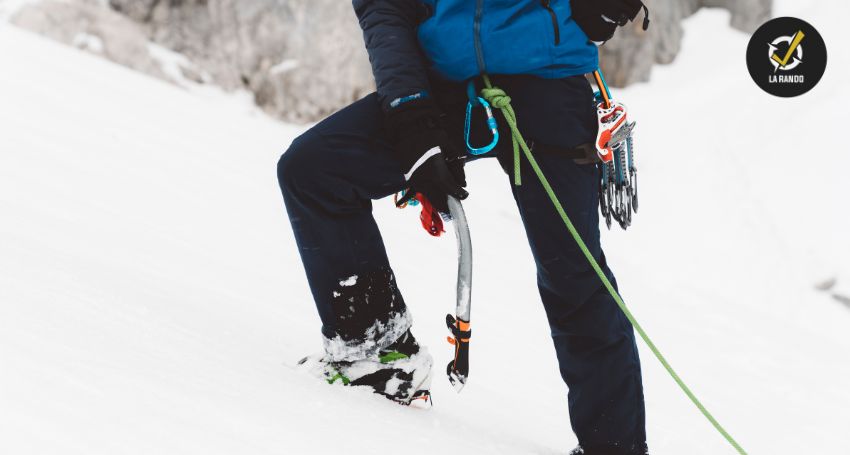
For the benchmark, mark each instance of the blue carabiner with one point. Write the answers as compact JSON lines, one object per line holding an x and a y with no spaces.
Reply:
{"x":491,"y":122}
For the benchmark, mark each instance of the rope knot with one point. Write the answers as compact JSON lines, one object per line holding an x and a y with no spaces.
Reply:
{"x":496,"y":97}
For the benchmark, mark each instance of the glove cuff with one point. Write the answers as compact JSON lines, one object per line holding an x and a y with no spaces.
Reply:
{"x":414,"y":128}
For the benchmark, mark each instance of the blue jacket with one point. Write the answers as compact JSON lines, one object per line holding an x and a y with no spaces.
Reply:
{"x":460,"y":39}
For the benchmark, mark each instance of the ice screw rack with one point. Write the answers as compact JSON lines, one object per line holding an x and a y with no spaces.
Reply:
{"x":618,"y":196}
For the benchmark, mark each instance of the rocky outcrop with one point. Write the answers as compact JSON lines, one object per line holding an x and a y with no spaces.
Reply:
{"x":303,"y":59}
{"x":89,"y":26}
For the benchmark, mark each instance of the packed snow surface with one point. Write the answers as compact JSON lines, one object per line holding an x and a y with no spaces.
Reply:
{"x":152,"y":300}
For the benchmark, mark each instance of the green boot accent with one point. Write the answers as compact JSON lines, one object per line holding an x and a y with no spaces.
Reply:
{"x":392,"y":356}
{"x":345,"y":380}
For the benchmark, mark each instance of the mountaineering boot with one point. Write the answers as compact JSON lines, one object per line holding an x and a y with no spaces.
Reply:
{"x":401,"y":372}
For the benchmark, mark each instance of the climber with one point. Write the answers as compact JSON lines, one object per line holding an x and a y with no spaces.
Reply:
{"x":410,"y":135}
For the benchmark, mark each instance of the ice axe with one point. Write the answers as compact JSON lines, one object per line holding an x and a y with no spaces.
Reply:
{"x":458,"y":368}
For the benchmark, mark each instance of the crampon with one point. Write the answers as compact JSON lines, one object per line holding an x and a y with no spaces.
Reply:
{"x":400,"y":373}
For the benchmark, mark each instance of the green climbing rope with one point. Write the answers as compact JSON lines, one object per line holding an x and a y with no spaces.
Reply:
{"x":500,"y":100}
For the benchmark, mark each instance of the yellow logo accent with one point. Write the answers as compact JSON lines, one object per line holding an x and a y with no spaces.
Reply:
{"x":782,"y":63}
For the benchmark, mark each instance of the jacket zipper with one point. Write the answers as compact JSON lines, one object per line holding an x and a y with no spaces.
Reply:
{"x":548,"y":5}
{"x":476,"y":26}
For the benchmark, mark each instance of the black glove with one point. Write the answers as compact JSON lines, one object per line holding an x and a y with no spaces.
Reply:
{"x":600,"y":18}
{"x":416,"y":130}
{"x":436,"y":181}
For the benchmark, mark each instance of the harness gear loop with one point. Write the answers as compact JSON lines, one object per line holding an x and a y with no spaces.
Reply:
{"x":500,"y":100}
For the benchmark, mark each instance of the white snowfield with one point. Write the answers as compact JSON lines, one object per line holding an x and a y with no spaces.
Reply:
{"x":152,"y":300}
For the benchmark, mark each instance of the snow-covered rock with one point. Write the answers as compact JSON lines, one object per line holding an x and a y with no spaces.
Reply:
{"x":87,"y":25}
{"x":302,"y":59}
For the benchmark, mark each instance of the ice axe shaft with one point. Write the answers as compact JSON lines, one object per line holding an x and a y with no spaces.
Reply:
{"x":458,"y":369}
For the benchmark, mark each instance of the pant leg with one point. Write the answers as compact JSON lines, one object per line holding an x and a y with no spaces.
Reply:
{"x":329,"y":177}
{"x":594,"y":341}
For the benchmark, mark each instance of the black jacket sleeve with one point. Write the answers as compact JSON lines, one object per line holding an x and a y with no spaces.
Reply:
{"x":389,"y":29}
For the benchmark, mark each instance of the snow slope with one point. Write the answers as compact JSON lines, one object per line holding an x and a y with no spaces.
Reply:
{"x":152,"y":300}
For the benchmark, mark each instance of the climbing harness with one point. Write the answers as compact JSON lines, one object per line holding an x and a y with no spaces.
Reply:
{"x":618,"y":197}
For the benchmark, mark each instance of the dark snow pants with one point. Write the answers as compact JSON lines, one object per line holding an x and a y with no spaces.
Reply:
{"x":330,"y":175}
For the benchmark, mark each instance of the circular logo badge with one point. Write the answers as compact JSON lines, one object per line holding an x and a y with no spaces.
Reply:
{"x":786,"y":57}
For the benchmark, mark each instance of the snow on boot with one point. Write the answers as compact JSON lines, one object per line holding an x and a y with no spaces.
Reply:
{"x":401,"y":372}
